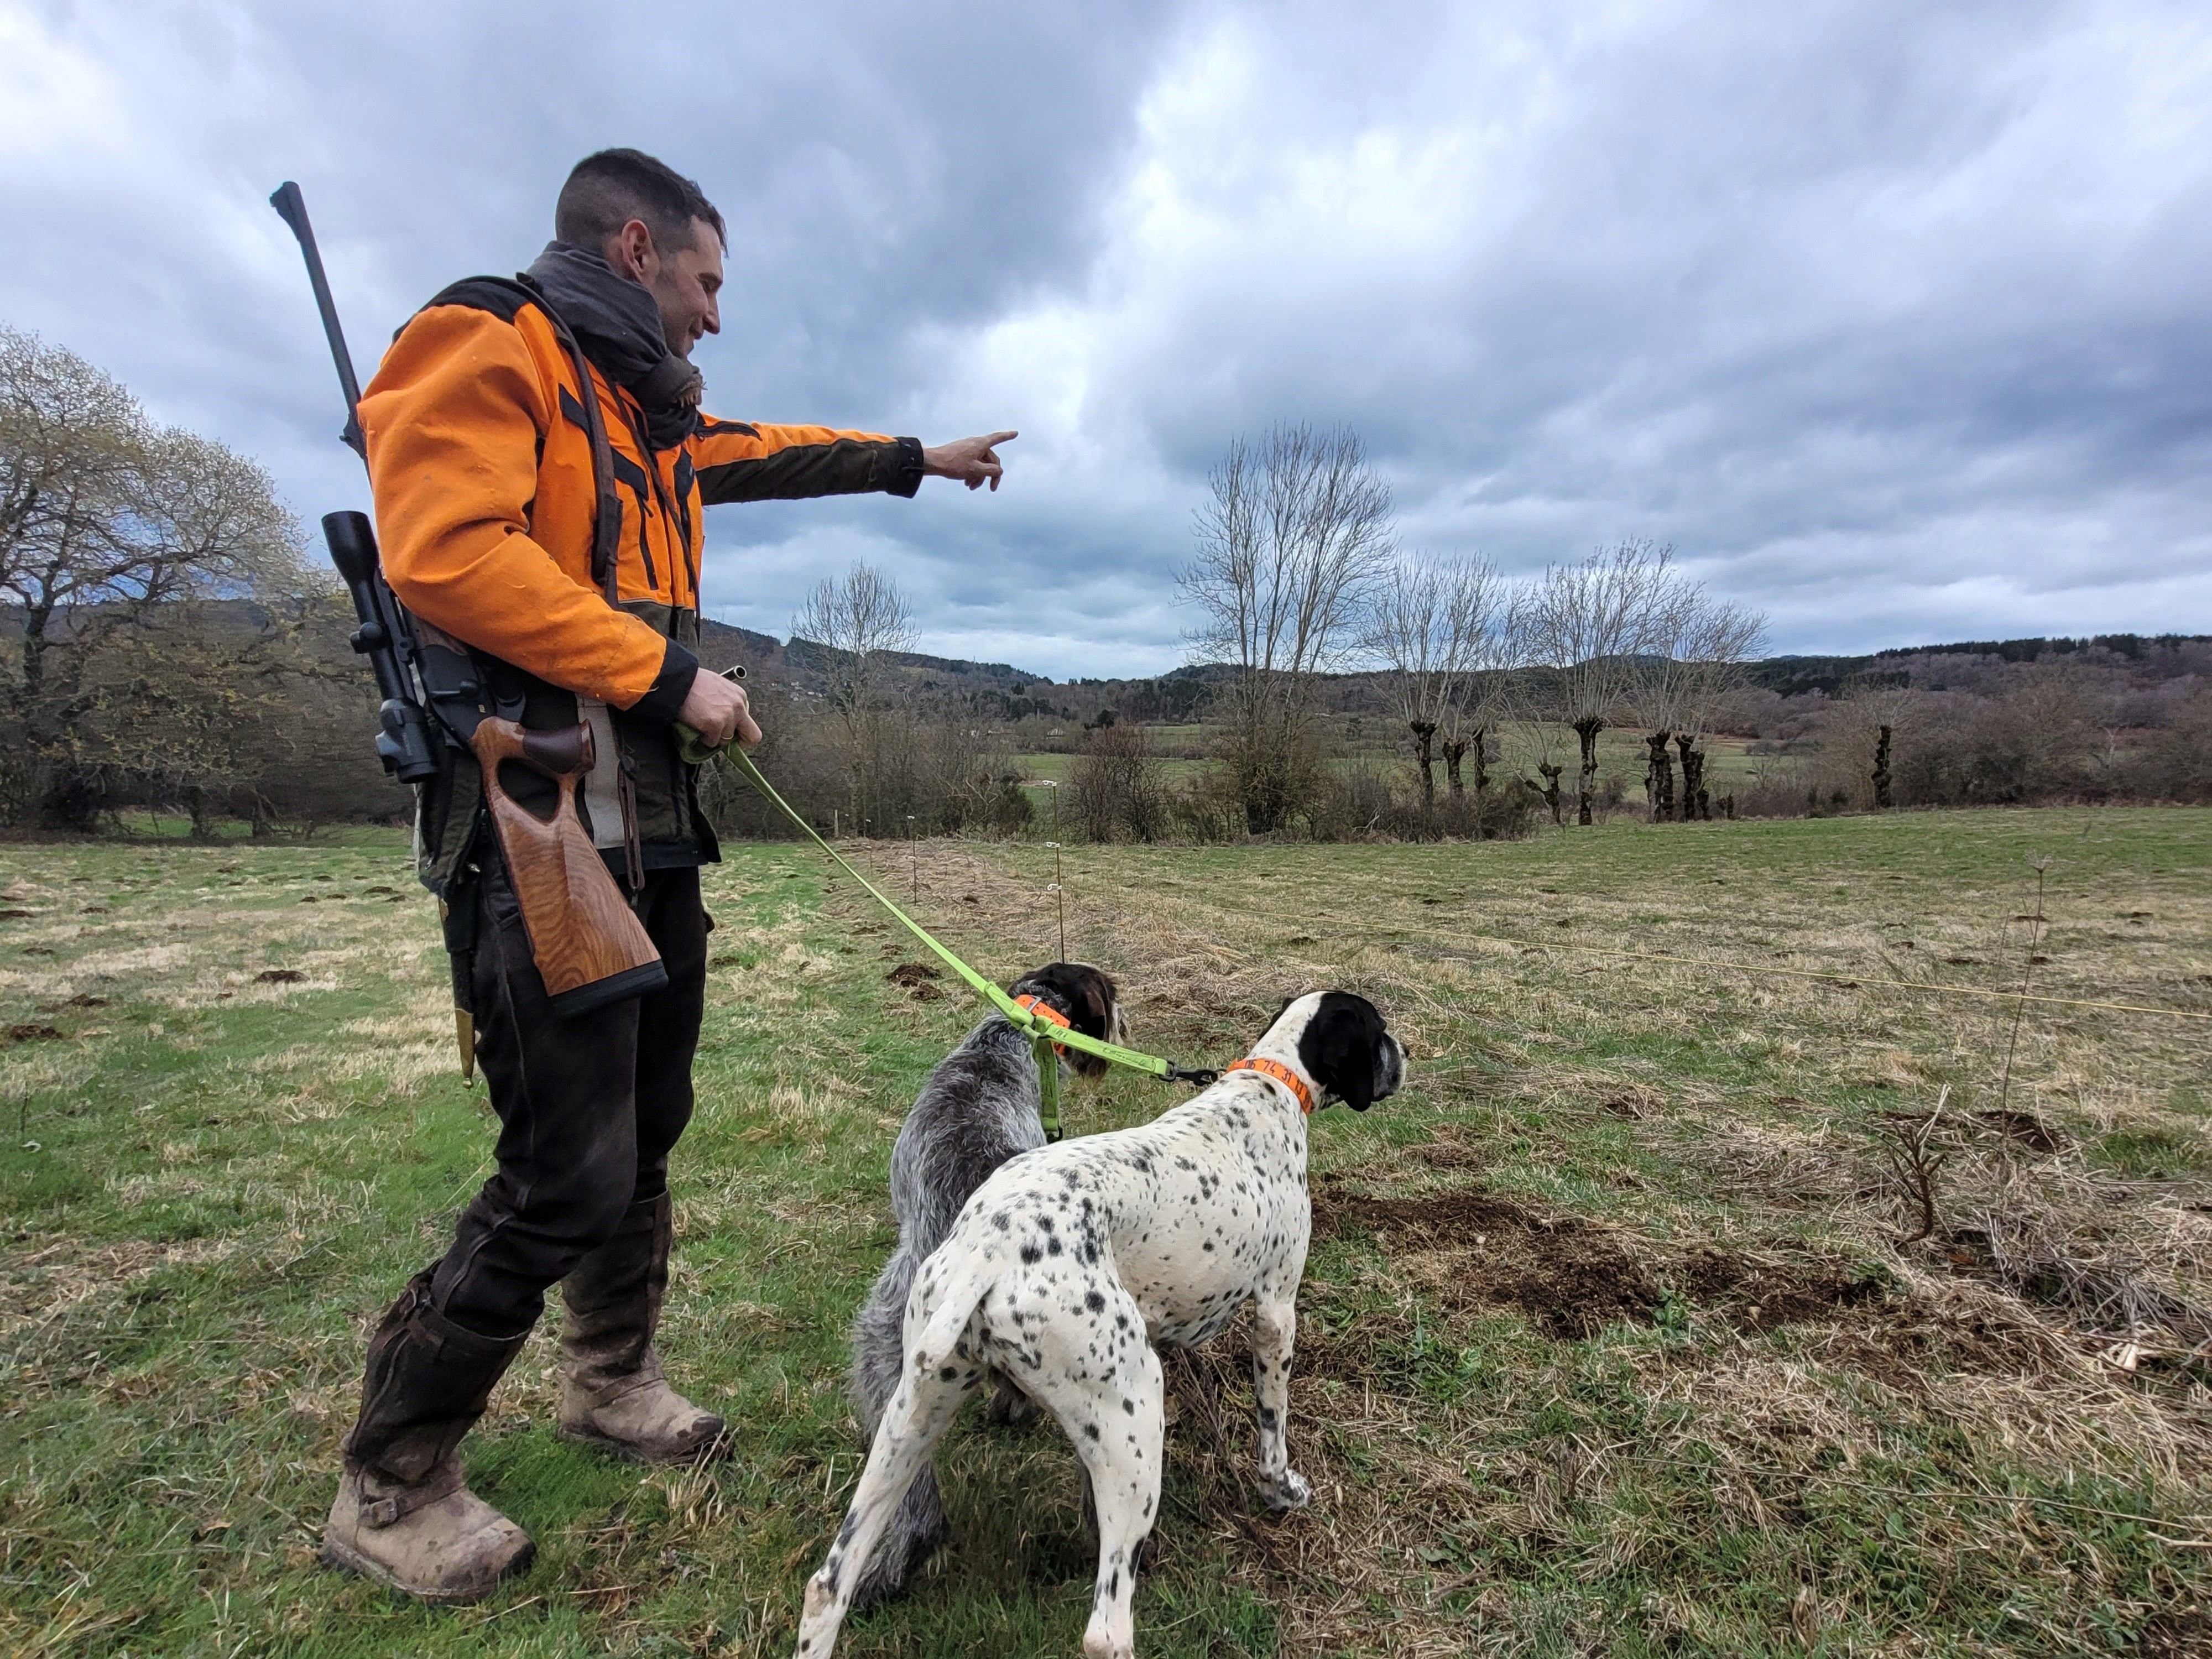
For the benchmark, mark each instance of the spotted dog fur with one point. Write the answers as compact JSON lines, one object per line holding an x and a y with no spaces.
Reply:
{"x":978,"y":1108}
{"x":1069,"y":1266}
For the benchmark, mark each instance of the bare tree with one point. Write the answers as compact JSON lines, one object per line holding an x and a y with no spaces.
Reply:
{"x":1431,"y":625}
{"x":1534,"y":742}
{"x":1660,"y":692}
{"x":108,"y":525}
{"x":1295,"y":534}
{"x":971,"y":774}
{"x":1497,"y":624}
{"x":1859,"y":732}
{"x":1694,"y":655}
{"x":1718,"y":641}
{"x":1117,"y":786}
{"x":860,"y":619}
{"x":1592,"y":622}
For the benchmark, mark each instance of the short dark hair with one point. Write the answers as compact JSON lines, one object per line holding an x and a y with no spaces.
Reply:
{"x":608,"y":190}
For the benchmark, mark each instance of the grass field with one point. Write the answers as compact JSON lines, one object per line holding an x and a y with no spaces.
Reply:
{"x":1607,"y":1344}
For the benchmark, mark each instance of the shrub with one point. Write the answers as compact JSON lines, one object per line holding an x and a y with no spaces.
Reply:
{"x":1117,"y":788}
{"x":2177,"y":763}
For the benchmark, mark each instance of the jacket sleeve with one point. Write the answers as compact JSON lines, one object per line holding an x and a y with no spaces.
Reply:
{"x":453,"y":419}
{"x":747,"y":461}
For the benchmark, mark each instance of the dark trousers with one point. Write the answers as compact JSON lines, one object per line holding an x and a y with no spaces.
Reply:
{"x":588,"y":1107}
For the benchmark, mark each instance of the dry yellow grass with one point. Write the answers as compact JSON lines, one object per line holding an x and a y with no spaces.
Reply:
{"x":1608,"y":1343}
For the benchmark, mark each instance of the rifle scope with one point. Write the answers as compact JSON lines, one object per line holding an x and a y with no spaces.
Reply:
{"x":405,"y":745}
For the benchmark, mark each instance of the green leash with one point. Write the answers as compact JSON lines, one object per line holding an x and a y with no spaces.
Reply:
{"x":1041,"y":1031}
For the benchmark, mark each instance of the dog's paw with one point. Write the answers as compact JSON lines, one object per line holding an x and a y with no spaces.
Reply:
{"x":1291,"y":1492}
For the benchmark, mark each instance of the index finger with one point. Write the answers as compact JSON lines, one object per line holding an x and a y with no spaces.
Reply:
{"x":999,"y":438}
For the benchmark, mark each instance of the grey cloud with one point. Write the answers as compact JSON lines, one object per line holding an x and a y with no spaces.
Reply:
{"x":1889,"y":316}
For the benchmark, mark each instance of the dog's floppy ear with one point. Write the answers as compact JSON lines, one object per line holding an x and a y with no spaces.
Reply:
{"x":1092,"y":996}
{"x":1099,"y":999}
{"x":1342,"y":1048}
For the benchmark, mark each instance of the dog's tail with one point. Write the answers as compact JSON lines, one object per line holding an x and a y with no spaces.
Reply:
{"x":941,"y":1332}
{"x":876,"y":1330}
{"x":918,"y":1528}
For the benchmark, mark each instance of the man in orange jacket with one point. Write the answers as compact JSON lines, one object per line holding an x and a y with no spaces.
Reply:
{"x":541,"y":468}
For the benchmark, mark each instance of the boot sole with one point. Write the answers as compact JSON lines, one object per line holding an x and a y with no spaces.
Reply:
{"x":346,"y":1559}
{"x":710,"y":1451}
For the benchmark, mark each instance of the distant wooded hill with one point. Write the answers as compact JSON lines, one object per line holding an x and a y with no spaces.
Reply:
{"x":317,"y":762}
{"x":2127,"y":662}
{"x":2141,"y":663}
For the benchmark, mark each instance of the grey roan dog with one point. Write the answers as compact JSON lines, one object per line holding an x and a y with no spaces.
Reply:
{"x":978,"y":1108}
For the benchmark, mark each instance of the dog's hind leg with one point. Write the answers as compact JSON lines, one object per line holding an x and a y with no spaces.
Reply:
{"x":1118,"y":1423}
{"x":927,"y":1400}
{"x":877,"y":1341}
{"x":917,"y":1531}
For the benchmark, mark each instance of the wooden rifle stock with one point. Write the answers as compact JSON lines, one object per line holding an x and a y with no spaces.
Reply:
{"x":590,"y":947}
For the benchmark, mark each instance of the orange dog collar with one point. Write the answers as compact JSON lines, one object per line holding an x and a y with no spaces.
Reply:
{"x":1282,"y":1074}
{"x":1044,"y":1010}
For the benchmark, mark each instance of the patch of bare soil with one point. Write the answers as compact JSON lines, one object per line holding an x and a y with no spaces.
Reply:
{"x":916,"y":977}
{"x":2183,"y":1633}
{"x":1572,"y":1278}
{"x":1903,"y":1344}
{"x":1636,"y":1103}
{"x":2029,"y":1130}
{"x":1446,"y":1150}
{"x":1759,"y":1293}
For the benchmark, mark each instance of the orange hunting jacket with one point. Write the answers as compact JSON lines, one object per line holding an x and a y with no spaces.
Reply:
{"x":480,"y":461}
{"x":482,"y":472}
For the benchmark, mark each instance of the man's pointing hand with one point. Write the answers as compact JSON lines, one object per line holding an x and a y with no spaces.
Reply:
{"x":973,"y":461}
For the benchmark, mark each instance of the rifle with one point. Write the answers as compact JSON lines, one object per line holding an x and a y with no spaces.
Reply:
{"x":589,"y":947}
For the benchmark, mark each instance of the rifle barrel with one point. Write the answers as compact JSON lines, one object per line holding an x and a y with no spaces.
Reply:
{"x":292,"y":207}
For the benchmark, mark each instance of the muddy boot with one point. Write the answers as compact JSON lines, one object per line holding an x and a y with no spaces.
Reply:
{"x":612,"y":1394}
{"x":404,"y":1516}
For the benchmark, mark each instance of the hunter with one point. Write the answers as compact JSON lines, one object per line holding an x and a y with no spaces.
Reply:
{"x":541,"y":469}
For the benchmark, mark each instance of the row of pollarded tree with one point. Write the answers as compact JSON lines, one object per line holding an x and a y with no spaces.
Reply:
{"x":1299,"y":573}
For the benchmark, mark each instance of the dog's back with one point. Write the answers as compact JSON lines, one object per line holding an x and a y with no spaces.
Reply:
{"x":979,"y":1109}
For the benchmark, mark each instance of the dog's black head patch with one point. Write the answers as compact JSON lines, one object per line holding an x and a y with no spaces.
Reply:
{"x":1089,"y":1000}
{"x":1347,"y":1048}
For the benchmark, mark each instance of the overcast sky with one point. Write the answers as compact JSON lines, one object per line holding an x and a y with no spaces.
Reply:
{"x":1891,"y":317}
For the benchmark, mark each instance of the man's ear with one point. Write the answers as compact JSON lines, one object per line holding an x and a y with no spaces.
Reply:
{"x":630,"y":250}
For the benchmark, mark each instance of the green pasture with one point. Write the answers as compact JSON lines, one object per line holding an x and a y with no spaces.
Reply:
{"x":1609,"y":1343}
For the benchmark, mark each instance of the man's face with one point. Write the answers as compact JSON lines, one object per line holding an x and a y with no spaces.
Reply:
{"x":683,"y":281}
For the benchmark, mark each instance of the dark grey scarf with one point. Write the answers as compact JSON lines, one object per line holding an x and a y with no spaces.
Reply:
{"x":619,"y":326}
